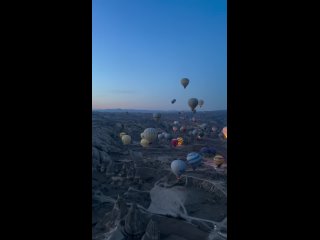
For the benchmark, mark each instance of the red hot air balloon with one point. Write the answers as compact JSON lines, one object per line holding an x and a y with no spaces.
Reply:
{"x":174,"y":142}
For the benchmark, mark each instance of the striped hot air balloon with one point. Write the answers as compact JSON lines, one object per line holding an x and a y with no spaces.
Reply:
{"x":194,"y":159}
{"x":150,"y":134}
{"x":218,"y":160}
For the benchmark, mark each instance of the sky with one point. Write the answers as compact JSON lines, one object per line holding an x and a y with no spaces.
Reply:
{"x":141,"y":49}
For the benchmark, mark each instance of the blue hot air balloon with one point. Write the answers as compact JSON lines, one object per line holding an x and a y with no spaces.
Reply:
{"x":194,"y":159}
{"x":208,"y":150}
{"x":178,"y":167}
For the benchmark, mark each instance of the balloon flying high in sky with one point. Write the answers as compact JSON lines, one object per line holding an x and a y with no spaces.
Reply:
{"x":147,"y":53}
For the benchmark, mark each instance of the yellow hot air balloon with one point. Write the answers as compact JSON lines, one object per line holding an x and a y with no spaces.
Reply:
{"x":218,"y":160}
{"x":144,"y":142}
{"x":224,"y":132}
{"x":121,"y":134}
{"x":126,"y":139}
{"x":180,"y":141}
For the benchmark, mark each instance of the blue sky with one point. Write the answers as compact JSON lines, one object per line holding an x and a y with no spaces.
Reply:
{"x":141,"y":49}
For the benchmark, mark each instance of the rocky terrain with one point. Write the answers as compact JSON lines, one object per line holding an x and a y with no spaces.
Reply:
{"x":134,"y":193}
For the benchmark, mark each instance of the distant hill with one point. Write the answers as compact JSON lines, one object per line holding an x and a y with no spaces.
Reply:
{"x":119,"y":110}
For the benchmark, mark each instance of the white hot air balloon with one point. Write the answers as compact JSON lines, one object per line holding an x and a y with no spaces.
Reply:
{"x":201,"y":102}
{"x":126,"y":139}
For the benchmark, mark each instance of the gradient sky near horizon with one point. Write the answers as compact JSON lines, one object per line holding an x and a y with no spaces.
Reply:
{"x":141,"y":49}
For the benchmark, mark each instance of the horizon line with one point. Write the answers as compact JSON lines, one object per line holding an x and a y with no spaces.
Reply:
{"x":168,"y":110}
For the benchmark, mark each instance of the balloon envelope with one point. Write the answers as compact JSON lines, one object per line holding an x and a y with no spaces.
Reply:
{"x":201,"y":102}
{"x":126,"y":139}
{"x":178,"y":167}
{"x":208,"y":150}
{"x":167,"y":135}
{"x":193,"y":103}
{"x":184,"y":82}
{"x":122,"y":134}
{"x":224,"y":132}
{"x":156,"y":116}
{"x":183,"y":129}
{"x":218,"y":160}
{"x":194,"y":159}
{"x":174,"y":142}
{"x":150,"y":134}
{"x":180,"y":141}
{"x":173,"y":101}
{"x":144,"y":142}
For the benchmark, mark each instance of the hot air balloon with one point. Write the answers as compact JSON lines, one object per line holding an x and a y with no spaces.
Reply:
{"x":218,"y":160}
{"x":208,"y":151}
{"x":214,"y":129}
{"x":141,"y":135}
{"x":180,"y":141}
{"x":178,"y":167}
{"x":183,"y":129}
{"x":175,"y":122}
{"x":122,"y":134}
{"x":184,"y":82}
{"x":144,"y":142}
{"x":174,"y":129}
{"x":174,"y":142}
{"x":150,"y":134}
{"x":201,"y":102}
{"x":126,"y":139}
{"x":167,"y":135}
{"x":224,"y":132}
{"x":156,"y":116}
{"x":194,"y":132}
{"x":193,"y":103}
{"x":173,"y":101}
{"x":160,"y":136}
{"x":194,"y":159}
